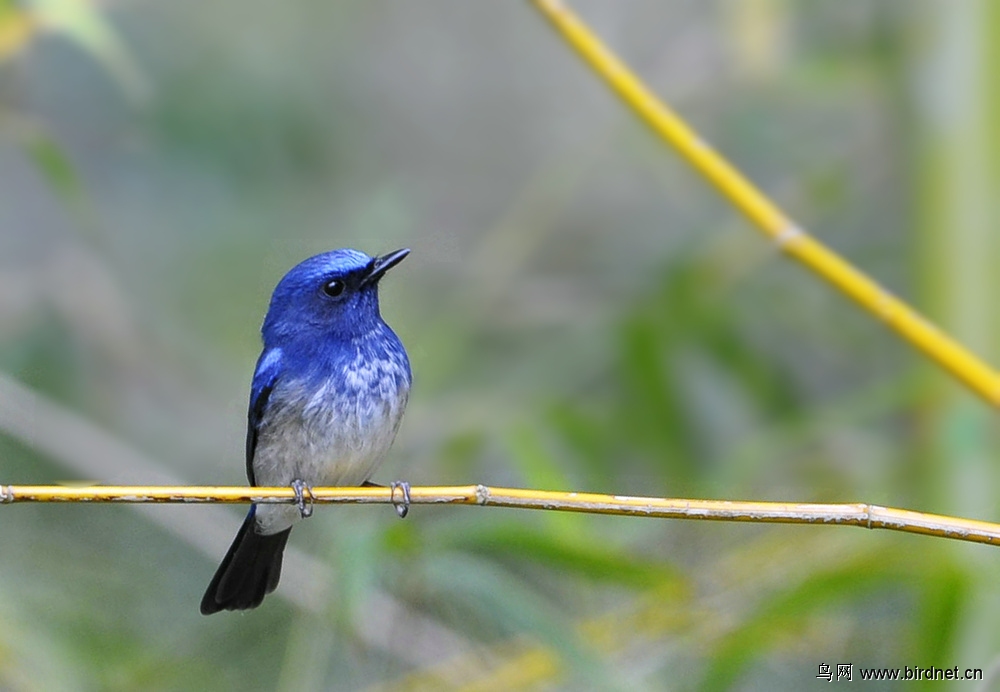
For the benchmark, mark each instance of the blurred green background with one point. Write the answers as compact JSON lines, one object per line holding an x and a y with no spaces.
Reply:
{"x":581,"y":312}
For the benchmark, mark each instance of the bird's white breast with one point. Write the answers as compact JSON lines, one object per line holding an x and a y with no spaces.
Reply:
{"x":333,"y":434}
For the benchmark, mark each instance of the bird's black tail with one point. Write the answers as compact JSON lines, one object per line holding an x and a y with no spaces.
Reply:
{"x":249,"y":571}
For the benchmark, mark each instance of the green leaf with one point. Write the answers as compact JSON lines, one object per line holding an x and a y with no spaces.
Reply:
{"x":17,"y":27}
{"x":540,"y":469}
{"x":505,"y":599}
{"x":945,"y":592}
{"x":81,"y":22}
{"x":578,"y":554}
{"x":781,"y":613}
{"x":55,"y":167}
{"x":587,"y":440}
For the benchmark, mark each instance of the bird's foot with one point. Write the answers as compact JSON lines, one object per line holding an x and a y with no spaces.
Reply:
{"x":402,"y":507}
{"x":302,"y":490}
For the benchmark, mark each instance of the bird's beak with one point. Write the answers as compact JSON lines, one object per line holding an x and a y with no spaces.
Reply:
{"x":383,"y":264}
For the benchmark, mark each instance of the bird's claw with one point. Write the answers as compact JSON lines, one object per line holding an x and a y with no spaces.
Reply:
{"x":402,"y":507}
{"x":302,"y":490}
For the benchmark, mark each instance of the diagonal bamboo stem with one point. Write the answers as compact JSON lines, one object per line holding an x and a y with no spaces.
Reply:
{"x":853,"y":514}
{"x":765,"y":214}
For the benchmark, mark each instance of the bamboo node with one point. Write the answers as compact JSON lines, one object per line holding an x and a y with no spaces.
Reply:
{"x":482,"y":494}
{"x":787,"y":234}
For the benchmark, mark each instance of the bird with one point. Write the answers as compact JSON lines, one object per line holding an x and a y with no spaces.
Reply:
{"x":326,"y":400}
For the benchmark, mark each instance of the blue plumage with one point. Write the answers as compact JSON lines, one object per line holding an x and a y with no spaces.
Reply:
{"x":326,"y":401}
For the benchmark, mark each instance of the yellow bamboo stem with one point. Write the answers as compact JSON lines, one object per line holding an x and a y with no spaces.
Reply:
{"x":852,"y":514}
{"x":765,"y":214}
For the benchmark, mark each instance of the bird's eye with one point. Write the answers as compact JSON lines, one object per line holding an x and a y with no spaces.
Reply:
{"x":334,"y":288}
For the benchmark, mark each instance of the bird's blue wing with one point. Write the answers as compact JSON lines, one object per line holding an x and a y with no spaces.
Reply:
{"x":267,"y":373}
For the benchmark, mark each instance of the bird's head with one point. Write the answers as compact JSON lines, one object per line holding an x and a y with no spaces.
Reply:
{"x":333,"y":294}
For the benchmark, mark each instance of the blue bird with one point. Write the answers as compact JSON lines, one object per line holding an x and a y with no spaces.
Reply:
{"x":326,"y":401}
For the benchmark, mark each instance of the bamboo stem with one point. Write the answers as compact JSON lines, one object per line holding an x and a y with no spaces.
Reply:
{"x":765,"y":214}
{"x":853,"y":514}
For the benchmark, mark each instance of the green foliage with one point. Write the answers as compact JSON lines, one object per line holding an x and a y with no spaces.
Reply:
{"x":580,"y":314}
